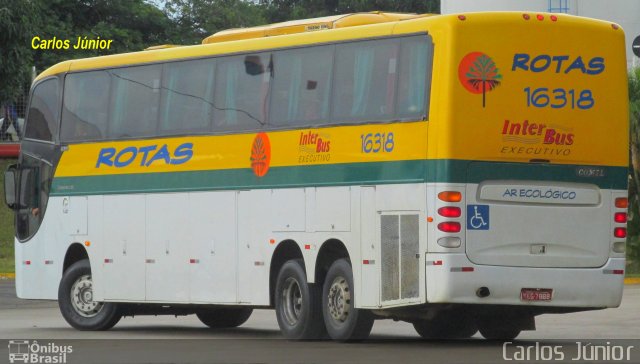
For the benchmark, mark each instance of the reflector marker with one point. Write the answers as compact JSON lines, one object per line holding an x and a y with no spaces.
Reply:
{"x":150,"y":261}
{"x":622,"y":202}
{"x":107,"y":260}
{"x":48,"y":262}
{"x":194,"y":261}
{"x":309,"y":247}
{"x":368,"y":261}
{"x":613,"y":271}
{"x":258,"y":263}
{"x":27,"y":262}
{"x":434,"y":262}
{"x":462,"y":269}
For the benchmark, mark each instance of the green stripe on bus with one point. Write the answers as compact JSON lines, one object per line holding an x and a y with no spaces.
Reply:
{"x":418,"y":171}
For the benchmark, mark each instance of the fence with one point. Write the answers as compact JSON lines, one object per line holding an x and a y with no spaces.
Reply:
{"x":12,"y":115}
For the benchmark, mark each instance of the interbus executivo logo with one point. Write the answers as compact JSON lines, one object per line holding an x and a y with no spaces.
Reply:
{"x":25,"y":351}
{"x":260,"y":154}
{"x":479,"y":74}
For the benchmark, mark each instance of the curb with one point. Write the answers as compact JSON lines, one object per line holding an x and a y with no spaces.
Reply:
{"x":632,"y":281}
{"x":7,"y":275}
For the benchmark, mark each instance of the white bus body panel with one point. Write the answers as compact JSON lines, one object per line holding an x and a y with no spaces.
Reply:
{"x":214,"y":247}
{"x":572,"y":287}
{"x":224,"y":251}
{"x":210,"y":279}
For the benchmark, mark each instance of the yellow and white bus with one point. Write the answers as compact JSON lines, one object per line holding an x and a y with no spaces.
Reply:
{"x":460,"y":172}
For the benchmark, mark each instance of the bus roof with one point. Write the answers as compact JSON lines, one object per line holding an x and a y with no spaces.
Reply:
{"x":309,"y":25}
{"x":298,"y":32}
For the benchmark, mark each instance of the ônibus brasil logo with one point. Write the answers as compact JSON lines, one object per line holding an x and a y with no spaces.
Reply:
{"x":479,"y":74}
{"x":260,"y":154}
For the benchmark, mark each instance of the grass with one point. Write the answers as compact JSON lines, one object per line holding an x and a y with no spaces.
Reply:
{"x":7,"y":262}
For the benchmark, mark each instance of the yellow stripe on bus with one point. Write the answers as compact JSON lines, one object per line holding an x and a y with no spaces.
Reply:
{"x":333,"y":145}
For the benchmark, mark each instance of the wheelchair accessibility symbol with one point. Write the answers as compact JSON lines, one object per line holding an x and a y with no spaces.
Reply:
{"x":478,"y":217}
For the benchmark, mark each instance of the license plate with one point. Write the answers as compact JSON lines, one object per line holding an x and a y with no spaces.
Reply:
{"x":536,"y":294}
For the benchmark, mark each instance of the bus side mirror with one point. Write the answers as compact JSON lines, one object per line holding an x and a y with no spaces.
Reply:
{"x":10,"y":183}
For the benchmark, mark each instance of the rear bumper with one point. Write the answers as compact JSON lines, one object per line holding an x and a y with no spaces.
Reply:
{"x":572,"y":287}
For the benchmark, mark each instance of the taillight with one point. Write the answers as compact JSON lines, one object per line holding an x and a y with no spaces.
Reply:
{"x":450,"y":196}
{"x":620,"y":217}
{"x":449,"y":211}
{"x":449,"y":227}
{"x":620,"y":232}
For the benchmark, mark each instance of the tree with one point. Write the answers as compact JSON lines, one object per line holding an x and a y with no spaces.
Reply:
{"x":634,"y":182}
{"x":17,"y":20}
{"x":196,"y":19}
{"x":281,"y":10}
{"x":133,"y":25}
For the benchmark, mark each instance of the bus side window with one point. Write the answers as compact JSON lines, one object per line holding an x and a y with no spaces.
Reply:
{"x":414,"y":81}
{"x":302,"y":85}
{"x":187,"y":97}
{"x":42,"y":122}
{"x":365,"y":80}
{"x":85,"y":106}
{"x":35,"y":183}
{"x":135,"y":99}
{"x":241,"y":92}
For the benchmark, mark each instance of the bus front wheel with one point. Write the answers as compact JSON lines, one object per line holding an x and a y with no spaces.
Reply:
{"x":75,"y":298}
{"x":223,"y":318}
{"x":298,"y":304}
{"x":344,"y":322}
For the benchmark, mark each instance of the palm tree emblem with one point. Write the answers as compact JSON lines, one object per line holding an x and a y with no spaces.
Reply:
{"x":260,"y":154}
{"x":478,"y":73}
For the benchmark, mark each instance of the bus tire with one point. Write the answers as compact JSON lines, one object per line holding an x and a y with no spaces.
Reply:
{"x":446,"y":326}
{"x":75,"y":298}
{"x":298,"y":303}
{"x":497,"y":330}
{"x":224,"y":318}
{"x":343,"y":321}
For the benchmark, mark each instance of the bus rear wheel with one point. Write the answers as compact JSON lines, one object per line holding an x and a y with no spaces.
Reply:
{"x":298,"y":303}
{"x":223,"y":318}
{"x":75,"y":298}
{"x":344,"y":322}
{"x":495,"y":329}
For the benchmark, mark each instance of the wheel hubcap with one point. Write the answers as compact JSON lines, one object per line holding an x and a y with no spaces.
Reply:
{"x":339,"y":299}
{"x":292,"y":299}
{"x":82,"y":297}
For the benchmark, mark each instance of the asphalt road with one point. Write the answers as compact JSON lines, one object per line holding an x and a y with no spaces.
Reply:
{"x":167,"y":339}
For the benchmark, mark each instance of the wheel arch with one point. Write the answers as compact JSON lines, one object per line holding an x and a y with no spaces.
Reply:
{"x":285,"y":251}
{"x":75,"y":253}
{"x":330,"y":251}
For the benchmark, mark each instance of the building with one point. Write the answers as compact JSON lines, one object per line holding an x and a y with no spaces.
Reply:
{"x":623,"y":12}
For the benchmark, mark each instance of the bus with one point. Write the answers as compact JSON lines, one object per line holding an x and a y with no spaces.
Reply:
{"x":421,"y":168}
